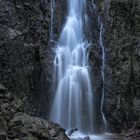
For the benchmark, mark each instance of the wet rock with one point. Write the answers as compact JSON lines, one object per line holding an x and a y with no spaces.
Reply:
{"x":122,"y":78}
{"x":132,"y":133}
{"x":17,"y":125}
{"x":70,"y":132}
{"x":87,"y":138}
{"x":23,"y":125}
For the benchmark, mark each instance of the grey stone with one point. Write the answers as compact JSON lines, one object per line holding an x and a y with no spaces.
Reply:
{"x":3,"y":135}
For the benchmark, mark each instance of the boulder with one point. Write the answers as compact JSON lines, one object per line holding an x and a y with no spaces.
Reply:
{"x":70,"y":132}
{"x":23,"y":126}
{"x":17,"y":125}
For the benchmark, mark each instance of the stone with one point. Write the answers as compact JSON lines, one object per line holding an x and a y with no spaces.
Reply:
{"x":52,"y":132}
{"x":3,"y":135}
{"x":87,"y":138}
{"x":13,"y":33}
{"x":17,"y":125}
{"x":2,"y":87}
{"x":23,"y":125}
{"x":3,"y":124}
{"x":70,"y":132}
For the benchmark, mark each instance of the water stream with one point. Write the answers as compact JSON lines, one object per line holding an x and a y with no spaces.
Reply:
{"x":103,"y":75}
{"x":101,"y":44}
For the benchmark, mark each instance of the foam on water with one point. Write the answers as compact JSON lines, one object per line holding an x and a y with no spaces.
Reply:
{"x":105,"y":136}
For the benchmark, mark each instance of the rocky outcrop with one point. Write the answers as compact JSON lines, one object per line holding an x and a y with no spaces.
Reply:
{"x":24,"y":127}
{"x":17,"y":125}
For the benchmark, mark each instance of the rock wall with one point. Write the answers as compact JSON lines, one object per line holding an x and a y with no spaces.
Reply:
{"x":27,"y":51}
{"x":122,"y":49}
{"x":122,"y":86}
{"x":24,"y":35}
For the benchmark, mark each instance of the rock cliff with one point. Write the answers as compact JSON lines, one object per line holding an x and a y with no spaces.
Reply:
{"x":122,"y":30}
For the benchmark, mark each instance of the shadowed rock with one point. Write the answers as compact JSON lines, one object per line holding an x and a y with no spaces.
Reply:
{"x":70,"y":132}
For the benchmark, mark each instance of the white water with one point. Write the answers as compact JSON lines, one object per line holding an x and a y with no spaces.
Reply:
{"x":73,"y":100}
{"x":104,"y":136}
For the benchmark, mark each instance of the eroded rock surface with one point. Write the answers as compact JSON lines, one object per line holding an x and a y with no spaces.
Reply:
{"x":122,"y":64}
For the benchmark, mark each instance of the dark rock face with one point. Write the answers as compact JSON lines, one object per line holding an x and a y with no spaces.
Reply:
{"x":122,"y":47}
{"x":25,"y":55}
{"x":123,"y":65}
{"x":15,"y":124}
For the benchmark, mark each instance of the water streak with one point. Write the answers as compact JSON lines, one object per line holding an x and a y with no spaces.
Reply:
{"x":101,"y":44}
{"x":52,"y":5}
{"x":103,"y":75}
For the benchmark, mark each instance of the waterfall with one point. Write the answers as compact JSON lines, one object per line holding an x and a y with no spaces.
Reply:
{"x":72,"y":105}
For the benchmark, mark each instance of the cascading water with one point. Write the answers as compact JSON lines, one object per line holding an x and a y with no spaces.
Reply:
{"x":73,"y":100}
{"x":72,"y":106}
